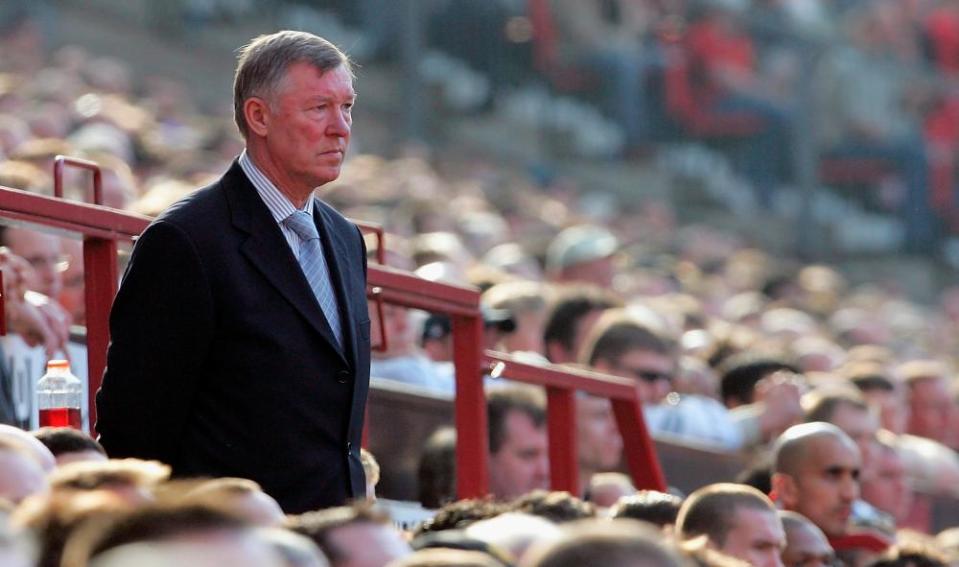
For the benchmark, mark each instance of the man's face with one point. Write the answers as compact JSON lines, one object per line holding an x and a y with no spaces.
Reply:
{"x":892,"y":409}
{"x":308,"y":122}
{"x":600,"y":446}
{"x":806,"y":546}
{"x":756,"y":536}
{"x":44,"y":253}
{"x":826,"y":484}
{"x":652,"y":371}
{"x":888,"y":488}
{"x":860,"y":425}
{"x":930,"y":408}
{"x":368,"y":544}
{"x":522,"y":462}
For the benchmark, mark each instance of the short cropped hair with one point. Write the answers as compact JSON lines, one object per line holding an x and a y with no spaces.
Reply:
{"x":556,"y":506}
{"x":320,"y":525}
{"x":611,"y":543}
{"x":62,"y":440}
{"x":710,"y":510}
{"x":567,"y":309}
{"x":618,"y":333}
{"x":262,"y":65}
{"x":89,"y":475}
{"x":660,"y":508}
{"x":527,"y":400}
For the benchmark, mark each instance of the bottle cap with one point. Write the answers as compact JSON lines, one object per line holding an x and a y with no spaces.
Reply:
{"x":58,"y":365}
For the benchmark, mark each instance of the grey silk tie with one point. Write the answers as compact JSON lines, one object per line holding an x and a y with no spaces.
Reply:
{"x":315,"y":269}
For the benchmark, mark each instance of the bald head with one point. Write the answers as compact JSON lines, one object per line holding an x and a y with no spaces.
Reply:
{"x":792,"y":447}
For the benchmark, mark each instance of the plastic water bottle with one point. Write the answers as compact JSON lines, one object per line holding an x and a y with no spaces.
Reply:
{"x":59,"y":396}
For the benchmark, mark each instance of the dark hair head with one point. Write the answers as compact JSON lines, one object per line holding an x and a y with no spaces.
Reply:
{"x":320,"y":525}
{"x":460,"y":514}
{"x":710,"y":511}
{"x":262,"y":65}
{"x":557,"y":506}
{"x":660,"y":508}
{"x":62,"y":440}
{"x":500,"y":402}
{"x":618,"y":332}
{"x":741,"y":372}
{"x":569,"y":307}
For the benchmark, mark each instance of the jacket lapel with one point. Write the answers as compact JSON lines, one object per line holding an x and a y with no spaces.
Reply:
{"x":268,"y":251}
{"x":338,"y":260}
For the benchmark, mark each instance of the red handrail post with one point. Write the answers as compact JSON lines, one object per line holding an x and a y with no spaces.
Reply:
{"x":100,"y":279}
{"x":638,"y":445}
{"x":563,"y":448}
{"x":472,"y":443}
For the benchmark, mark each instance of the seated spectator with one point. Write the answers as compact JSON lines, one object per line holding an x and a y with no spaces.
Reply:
{"x":352,"y":536}
{"x":816,"y":473}
{"x":608,"y":488}
{"x":658,"y":508}
{"x":622,"y":345}
{"x":69,"y":445}
{"x":617,"y":543}
{"x":21,"y":475}
{"x":190,"y":535}
{"x":237,"y":496}
{"x":558,"y":507}
{"x":806,"y":545}
{"x":436,"y":471}
{"x":295,"y":550}
{"x":737,"y":520}
{"x":403,"y":360}
{"x":887,"y":488}
{"x":518,"y":451}
{"x":571,"y":315}
{"x":526,"y":301}
{"x":133,"y":480}
{"x":514,"y":533}
{"x":461,"y":514}
{"x":583,"y":254}
{"x":930,"y":399}
{"x":764,"y":393}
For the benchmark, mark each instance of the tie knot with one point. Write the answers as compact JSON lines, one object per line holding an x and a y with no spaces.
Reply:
{"x":302,"y":224}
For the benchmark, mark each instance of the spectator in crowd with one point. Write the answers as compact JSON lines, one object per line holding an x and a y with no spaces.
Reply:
{"x":845,"y":408}
{"x":928,"y":391}
{"x":352,"y":536}
{"x":607,"y":488}
{"x":623,"y":345}
{"x":583,"y":254}
{"x":872,"y":96}
{"x":608,"y":38}
{"x":518,"y":450}
{"x":461,"y":514}
{"x":189,"y":535}
{"x":514,"y":533}
{"x":659,"y":508}
{"x":738,"y":520}
{"x":526,"y":302}
{"x":883,"y":394}
{"x":816,"y":473}
{"x":620,"y":543}
{"x":436,"y":471}
{"x":20,"y":474}
{"x":131,"y":480}
{"x":252,"y":275}
{"x":599,"y":445}
{"x":806,"y":545}
{"x":558,"y":507}
{"x":887,"y":487}
{"x":570,"y":317}
{"x":69,"y":445}
{"x":237,"y":496}
{"x":44,"y":253}
{"x":403,"y":360}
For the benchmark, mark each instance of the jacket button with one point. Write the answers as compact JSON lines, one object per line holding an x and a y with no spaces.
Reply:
{"x":349,"y":447}
{"x":343,"y":376}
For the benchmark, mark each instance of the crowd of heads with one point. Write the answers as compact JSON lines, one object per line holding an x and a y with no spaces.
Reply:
{"x":846,"y":390}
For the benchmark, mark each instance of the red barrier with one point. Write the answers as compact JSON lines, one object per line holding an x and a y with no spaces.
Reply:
{"x":101,"y":228}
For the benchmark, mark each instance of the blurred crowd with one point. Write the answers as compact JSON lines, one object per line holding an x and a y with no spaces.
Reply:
{"x":844,"y":395}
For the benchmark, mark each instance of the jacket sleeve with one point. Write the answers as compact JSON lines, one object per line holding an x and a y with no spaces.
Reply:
{"x":161,"y":328}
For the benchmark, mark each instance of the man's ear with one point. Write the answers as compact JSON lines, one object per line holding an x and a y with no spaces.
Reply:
{"x":784,"y":490}
{"x":257,"y":114}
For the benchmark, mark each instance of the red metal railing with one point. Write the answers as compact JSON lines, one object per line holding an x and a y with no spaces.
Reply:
{"x":102,"y":228}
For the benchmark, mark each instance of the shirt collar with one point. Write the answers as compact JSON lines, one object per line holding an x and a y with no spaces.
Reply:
{"x":278,"y":204}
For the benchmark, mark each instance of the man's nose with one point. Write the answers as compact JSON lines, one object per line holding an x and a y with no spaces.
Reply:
{"x":339,"y":125}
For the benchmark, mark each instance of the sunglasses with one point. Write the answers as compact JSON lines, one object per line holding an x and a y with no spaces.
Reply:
{"x":645,"y":375}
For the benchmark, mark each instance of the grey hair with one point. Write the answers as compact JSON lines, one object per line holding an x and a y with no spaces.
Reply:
{"x":262,"y":65}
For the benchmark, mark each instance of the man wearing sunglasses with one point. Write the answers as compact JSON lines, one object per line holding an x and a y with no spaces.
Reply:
{"x":632,"y":345}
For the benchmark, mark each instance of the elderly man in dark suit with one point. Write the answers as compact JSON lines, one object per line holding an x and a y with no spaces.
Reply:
{"x":240,"y":333}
